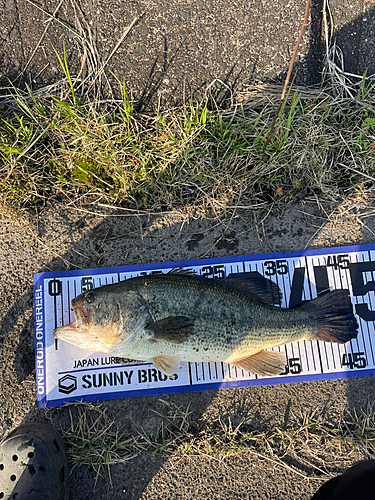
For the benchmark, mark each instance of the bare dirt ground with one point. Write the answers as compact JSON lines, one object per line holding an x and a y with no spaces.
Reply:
{"x":66,"y":236}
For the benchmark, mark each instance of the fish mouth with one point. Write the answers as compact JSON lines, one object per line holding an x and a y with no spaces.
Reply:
{"x":83,"y":320}
{"x":64,"y":332}
{"x":82,"y":315}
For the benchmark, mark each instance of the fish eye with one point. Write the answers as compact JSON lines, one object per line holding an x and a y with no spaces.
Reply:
{"x":90,"y":297}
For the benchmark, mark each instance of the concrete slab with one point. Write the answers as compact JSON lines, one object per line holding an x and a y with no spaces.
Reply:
{"x":177,"y":49}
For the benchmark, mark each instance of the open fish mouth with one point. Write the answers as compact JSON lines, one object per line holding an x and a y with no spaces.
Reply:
{"x":66,"y":332}
{"x":82,"y":315}
{"x":83,"y":320}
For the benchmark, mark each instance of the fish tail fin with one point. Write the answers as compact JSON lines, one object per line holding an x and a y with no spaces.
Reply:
{"x":334,"y":312}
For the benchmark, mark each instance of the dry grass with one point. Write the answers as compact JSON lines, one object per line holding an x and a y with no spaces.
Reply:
{"x":92,"y":439}
{"x":194,"y":155}
{"x":83,"y":137}
{"x":307,"y":446}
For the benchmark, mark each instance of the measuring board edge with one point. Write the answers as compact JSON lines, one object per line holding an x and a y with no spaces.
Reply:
{"x":43,"y":403}
{"x":199,"y":262}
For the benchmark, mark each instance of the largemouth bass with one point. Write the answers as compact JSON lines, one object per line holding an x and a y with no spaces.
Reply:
{"x":168,"y":318}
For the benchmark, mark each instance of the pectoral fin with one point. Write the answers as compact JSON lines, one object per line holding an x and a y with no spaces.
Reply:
{"x":167,"y":364}
{"x":265,"y":363}
{"x":175,"y":329}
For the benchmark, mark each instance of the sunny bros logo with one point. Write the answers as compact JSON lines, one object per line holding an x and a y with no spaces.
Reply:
{"x":68,"y":383}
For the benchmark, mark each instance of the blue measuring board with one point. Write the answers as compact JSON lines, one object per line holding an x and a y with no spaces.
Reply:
{"x":65,"y":373}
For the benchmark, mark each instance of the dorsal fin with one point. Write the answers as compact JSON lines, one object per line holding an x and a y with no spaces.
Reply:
{"x":256,"y":286}
{"x":184,"y":271}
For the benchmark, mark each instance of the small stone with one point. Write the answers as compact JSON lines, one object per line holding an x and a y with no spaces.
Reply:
{"x":279,"y":60}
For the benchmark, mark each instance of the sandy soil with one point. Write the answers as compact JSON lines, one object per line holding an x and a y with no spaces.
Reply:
{"x":62,"y":237}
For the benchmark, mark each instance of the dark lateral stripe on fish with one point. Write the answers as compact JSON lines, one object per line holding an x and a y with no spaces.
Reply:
{"x":173,"y":329}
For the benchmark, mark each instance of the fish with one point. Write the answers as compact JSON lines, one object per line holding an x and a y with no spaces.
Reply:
{"x":179,"y":316}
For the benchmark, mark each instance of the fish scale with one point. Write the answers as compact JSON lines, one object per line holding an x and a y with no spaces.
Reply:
{"x":252,"y":327}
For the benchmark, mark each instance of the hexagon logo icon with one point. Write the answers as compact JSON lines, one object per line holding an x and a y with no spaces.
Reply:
{"x":67,"y":384}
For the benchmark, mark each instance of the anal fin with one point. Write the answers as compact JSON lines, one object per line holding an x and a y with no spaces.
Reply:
{"x":169,"y":365}
{"x":266,"y":363}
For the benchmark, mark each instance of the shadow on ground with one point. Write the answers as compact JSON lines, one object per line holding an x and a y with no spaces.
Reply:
{"x":176,"y":50}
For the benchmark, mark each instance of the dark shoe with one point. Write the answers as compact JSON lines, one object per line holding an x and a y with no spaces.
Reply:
{"x":356,"y":482}
{"x":33,"y":464}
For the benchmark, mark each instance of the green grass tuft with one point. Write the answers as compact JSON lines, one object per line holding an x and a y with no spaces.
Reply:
{"x":54,"y":144}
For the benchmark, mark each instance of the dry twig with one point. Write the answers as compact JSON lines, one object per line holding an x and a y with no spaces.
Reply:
{"x":286,"y":83}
